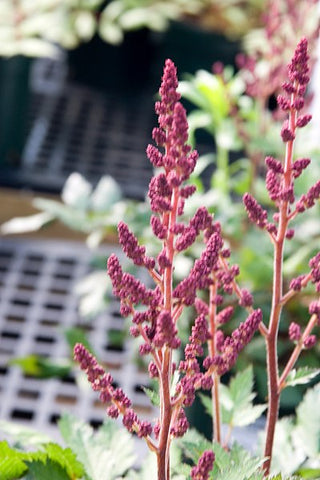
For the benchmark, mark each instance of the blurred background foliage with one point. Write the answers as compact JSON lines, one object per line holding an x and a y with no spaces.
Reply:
{"x":29,"y":27}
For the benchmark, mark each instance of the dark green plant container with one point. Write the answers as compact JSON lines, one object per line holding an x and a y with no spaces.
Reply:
{"x":123,"y":68}
{"x":14,"y":101}
{"x":193,"y":48}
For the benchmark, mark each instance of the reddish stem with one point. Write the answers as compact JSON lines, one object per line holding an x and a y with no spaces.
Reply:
{"x":272,"y":336}
{"x":216,"y":417}
{"x":163,"y":454}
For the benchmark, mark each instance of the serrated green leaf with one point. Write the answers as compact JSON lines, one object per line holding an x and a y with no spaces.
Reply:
{"x":308,"y":423}
{"x":105,"y":454}
{"x":241,"y":465}
{"x":301,"y":376}
{"x":237,"y":464}
{"x":65,"y":458}
{"x":47,"y":470}
{"x":194,"y":444}
{"x":237,"y":407}
{"x":11,"y":463}
{"x":152,"y":395}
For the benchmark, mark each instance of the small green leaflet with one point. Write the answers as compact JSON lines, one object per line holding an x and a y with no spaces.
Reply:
{"x":301,"y":376}
{"x":152,"y":395}
{"x":237,"y":407}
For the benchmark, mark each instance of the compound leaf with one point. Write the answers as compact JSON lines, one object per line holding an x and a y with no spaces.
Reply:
{"x":105,"y":454}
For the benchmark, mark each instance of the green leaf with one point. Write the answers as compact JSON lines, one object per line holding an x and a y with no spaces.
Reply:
{"x":198,"y":119}
{"x":237,"y":407}
{"x":286,"y":457}
{"x":105,"y":454}
{"x":76,"y":191}
{"x":152,"y":395}
{"x":194,"y":444}
{"x":106,"y":194}
{"x":147,"y":471}
{"x":41,"y":367}
{"x":30,"y":223}
{"x":309,"y":473}
{"x":241,"y":465}
{"x":301,"y":376}
{"x":72,"y":216}
{"x":237,"y":464}
{"x":75,"y":335}
{"x":11,"y":463}
{"x":308,"y":423}
{"x":206,"y":402}
{"x":66,"y":458}
{"x":47,"y":470}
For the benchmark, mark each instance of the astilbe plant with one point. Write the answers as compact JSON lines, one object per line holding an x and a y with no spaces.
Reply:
{"x":163,"y":305}
{"x":156,"y":310}
{"x":280,"y":179}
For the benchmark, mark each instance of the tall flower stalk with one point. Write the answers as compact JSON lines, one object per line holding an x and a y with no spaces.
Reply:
{"x":280,"y":185}
{"x":155,"y":310}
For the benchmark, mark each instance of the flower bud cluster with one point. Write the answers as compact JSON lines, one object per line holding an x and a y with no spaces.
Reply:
{"x":193,"y":378}
{"x":294,"y":332}
{"x":181,"y":425}
{"x":231,"y":346}
{"x":203,"y":468}
{"x":280,"y":178}
{"x":131,"y":247}
{"x":314,"y":309}
{"x":314,"y":265}
{"x":198,"y":277}
{"x":103,"y":383}
{"x":309,"y":199}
